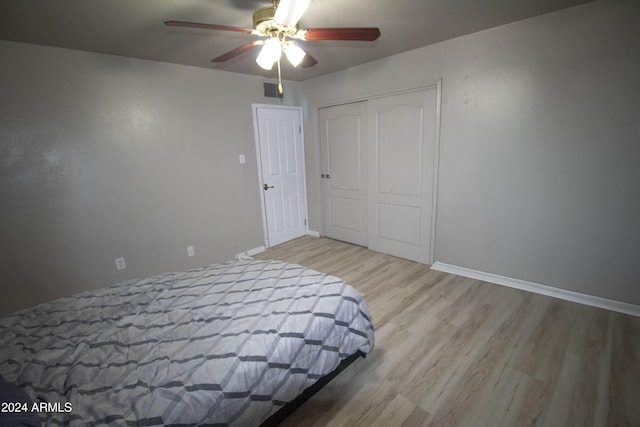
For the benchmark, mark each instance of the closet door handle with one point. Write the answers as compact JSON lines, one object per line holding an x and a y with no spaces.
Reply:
{"x":266,"y":187}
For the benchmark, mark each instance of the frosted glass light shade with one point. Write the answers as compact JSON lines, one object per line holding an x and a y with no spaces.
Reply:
{"x":294,"y":53}
{"x":269,"y":54}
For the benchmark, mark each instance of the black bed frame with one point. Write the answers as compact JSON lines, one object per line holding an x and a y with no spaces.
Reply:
{"x":290,"y":407}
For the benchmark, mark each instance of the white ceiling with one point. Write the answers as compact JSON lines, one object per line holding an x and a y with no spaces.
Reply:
{"x":134,"y":28}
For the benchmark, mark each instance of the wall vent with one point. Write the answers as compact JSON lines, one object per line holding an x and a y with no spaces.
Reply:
{"x":271,"y":90}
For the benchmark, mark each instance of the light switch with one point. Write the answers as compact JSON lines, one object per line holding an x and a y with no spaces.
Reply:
{"x":242,"y":159}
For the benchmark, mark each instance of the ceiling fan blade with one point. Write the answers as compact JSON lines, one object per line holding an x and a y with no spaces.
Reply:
{"x":289,"y":12}
{"x":207,"y":26}
{"x":237,"y":51}
{"x":308,"y":61}
{"x":357,"y":34}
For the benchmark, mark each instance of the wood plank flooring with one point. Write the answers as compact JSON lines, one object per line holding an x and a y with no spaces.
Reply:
{"x":453,"y":351}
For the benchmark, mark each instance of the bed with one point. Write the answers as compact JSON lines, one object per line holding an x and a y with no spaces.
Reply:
{"x":227,"y":344}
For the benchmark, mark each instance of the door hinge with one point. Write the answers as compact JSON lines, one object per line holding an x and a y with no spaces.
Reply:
{"x":305,"y":221}
{"x":299,"y":128}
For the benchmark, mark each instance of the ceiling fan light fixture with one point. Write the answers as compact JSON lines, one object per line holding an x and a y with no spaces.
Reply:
{"x":270,"y":53}
{"x":294,"y":53}
{"x":276,"y":25}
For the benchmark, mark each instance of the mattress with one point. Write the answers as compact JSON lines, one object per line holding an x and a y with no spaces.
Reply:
{"x":227,"y":344}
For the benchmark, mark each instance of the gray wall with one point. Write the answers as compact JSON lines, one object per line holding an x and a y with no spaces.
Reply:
{"x":540,"y":145}
{"x":103,"y":156}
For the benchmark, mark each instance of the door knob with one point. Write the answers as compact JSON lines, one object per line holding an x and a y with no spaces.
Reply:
{"x":266,"y":187}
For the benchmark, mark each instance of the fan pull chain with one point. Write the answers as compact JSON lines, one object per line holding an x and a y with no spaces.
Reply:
{"x":280,"y":89}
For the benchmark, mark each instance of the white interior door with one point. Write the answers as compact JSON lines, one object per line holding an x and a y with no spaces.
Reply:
{"x":402,"y":140}
{"x":343,"y":172}
{"x":281,"y":159}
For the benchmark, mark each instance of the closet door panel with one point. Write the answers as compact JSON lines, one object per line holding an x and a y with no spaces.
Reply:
{"x":402,"y":139}
{"x":343,"y":167}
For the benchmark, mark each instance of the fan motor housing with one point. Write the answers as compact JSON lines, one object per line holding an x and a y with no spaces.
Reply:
{"x":263,"y":14}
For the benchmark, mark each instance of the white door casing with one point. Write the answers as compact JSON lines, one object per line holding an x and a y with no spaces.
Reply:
{"x":280,"y":152}
{"x":343,"y":154}
{"x":403,"y":133}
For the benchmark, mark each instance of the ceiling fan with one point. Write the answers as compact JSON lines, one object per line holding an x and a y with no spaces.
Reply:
{"x":278,"y":29}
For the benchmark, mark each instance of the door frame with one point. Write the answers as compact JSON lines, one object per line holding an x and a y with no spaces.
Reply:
{"x":256,"y":134}
{"x":436,"y":162}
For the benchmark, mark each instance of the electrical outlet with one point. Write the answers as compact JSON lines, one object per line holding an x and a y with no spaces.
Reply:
{"x":120,"y":264}
{"x":191,"y":251}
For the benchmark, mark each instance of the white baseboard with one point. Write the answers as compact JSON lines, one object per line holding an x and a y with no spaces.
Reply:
{"x":249,"y":253}
{"x":252,"y":252}
{"x":608,"y":304}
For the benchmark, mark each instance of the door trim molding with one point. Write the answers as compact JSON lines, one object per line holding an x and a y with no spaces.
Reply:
{"x":380,"y":94}
{"x":436,"y":174}
{"x":256,"y":135}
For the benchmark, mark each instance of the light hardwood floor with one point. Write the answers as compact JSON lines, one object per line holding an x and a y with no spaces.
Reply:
{"x":452,"y":351}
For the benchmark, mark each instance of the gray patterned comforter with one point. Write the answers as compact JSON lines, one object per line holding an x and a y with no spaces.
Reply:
{"x":225,"y":344}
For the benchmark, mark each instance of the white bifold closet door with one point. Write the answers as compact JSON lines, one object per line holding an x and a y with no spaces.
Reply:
{"x":402,"y":148}
{"x":343,"y":153}
{"x":378,"y":168}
